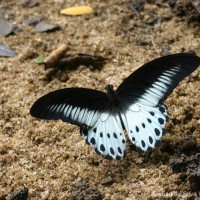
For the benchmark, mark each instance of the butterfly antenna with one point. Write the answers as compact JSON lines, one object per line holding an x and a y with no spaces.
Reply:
{"x":114,"y":72}
{"x":154,"y":46}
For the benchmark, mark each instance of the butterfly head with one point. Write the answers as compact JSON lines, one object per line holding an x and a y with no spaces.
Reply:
{"x":110,"y":90}
{"x":111,"y":93}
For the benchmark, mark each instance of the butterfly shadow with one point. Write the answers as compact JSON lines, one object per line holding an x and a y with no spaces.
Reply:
{"x":117,"y":171}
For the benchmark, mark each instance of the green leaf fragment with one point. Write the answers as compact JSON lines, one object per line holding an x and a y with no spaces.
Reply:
{"x":40,"y":59}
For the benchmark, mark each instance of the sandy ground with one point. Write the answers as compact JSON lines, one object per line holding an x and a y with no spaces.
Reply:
{"x":50,"y":158}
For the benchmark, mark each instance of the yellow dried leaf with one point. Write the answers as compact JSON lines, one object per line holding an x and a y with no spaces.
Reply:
{"x":77,"y":10}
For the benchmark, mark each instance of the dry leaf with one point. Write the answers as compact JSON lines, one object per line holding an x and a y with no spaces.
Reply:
{"x":6,"y":51}
{"x":6,"y":27}
{"x":44,"y":27}
{"x":29,"y":3}
{"x":77,"y":10}
{"x":32,"y":21}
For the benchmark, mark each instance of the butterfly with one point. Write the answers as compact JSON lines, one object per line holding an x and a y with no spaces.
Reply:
{"x":135,"y":106}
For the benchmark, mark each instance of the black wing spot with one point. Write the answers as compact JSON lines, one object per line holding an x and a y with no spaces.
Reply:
{"x":149,"y":120}
{"x":137,"y":129}
{"x":95,"y":130}
{"x":157,"y":132}
{"x":115,"y":135}
{"x":162,"y":109}
{"x":109,"y":157}
{"x":118,"y":157}
{"x":84,"y":131}
{"x":143,"y":143}
{"x":143,"y":125}
{"x":102,"y":148}
{"x":161,"y":121}
{"x":119,"y":150}
{"x":92,"y":141}
{"x":152,"y":113}
{"x":112,"y":151}
{"x":123,"y":141}
{"x":131,"y":131}
{"x":150,"y":140}
{"x":101,"y":134}
{"x":133,"y":139}
{"x":149,"y":149}
{"x":108,"y":135}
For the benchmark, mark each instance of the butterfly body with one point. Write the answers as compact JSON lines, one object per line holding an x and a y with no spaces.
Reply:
{"x":136,"y":106}
{"x":115,"y":104}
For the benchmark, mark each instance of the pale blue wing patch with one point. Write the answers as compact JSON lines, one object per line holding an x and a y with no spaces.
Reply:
{"x":76,"y":114}
{"x":154,"y":92}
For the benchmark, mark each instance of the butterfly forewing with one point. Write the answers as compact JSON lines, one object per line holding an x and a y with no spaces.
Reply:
{"x":152,"y":83}
{"x":79,"y":106}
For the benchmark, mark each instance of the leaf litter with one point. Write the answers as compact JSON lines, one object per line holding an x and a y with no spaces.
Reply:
{"x":45,"y":27}
{"x":29,"y":3}
{"x":6,"y":27}
{"x":6,"y":51}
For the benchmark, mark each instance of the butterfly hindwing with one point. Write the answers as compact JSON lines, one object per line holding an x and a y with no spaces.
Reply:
{"x":145,"y":125}
{"x":106,"y":136}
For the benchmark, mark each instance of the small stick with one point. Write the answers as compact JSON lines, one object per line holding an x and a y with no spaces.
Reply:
{"x":55,"y":56}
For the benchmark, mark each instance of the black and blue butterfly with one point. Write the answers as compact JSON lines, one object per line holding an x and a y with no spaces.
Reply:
{"x":135,"y":106}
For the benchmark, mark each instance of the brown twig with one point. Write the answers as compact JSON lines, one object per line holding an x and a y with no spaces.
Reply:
{"x":55,"y":56}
